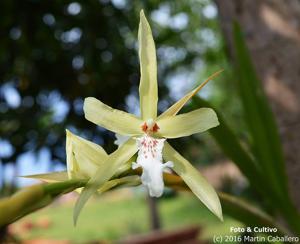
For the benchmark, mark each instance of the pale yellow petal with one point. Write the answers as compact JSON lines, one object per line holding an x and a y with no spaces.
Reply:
{"x":105,"y":171}
{"x":148,"y":67}
{"x":195,"y":181}
{"x":187,"y":124}
{"x":50,"y":177}
{"x":90,"y":148}
{"x":112,"y":119}
{"x":175,"y":108}
{"x":83,"y":156}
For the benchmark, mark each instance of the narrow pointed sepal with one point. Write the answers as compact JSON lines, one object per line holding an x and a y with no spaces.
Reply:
{"x":50,"y":177}
{"x":175,"y":108}
{"x":148,"y":69}
{"x":194,"y":180}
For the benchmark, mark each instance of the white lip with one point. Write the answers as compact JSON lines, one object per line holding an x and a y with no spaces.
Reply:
{"x":150,"y":159}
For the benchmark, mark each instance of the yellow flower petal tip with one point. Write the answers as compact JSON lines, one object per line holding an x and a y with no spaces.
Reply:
{"x":176,"y":107}
{"x":142,"y":14}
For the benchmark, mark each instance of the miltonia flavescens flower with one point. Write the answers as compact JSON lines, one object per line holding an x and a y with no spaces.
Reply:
{"x":148,"y":134}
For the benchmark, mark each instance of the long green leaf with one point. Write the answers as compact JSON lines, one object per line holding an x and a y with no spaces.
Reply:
{"x":230,"y":145}
{"x":259,"y":118}
{"x":266,"y":141}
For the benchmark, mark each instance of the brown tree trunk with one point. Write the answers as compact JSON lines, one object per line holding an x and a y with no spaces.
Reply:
{"x":272,"y":33}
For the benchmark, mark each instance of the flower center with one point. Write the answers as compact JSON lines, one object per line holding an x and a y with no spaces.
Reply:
{"x":149,"y":126}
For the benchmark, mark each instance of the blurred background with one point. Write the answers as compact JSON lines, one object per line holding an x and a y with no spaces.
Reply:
{"x":53,"y":54}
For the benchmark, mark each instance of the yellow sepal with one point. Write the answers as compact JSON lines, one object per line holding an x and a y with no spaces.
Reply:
{"x":148,"y":67}
{"x":195,"y":181}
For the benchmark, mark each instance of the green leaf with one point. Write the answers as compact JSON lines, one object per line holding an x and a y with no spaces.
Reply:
{"x":266,"y":141}
{"x":104,"y":173}
{"x":259,"y":118}
{"x":195,"y":181}
{"x":148,"y":66}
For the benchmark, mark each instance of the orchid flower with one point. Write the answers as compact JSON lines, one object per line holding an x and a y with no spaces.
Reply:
{"x":147,"y":134}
